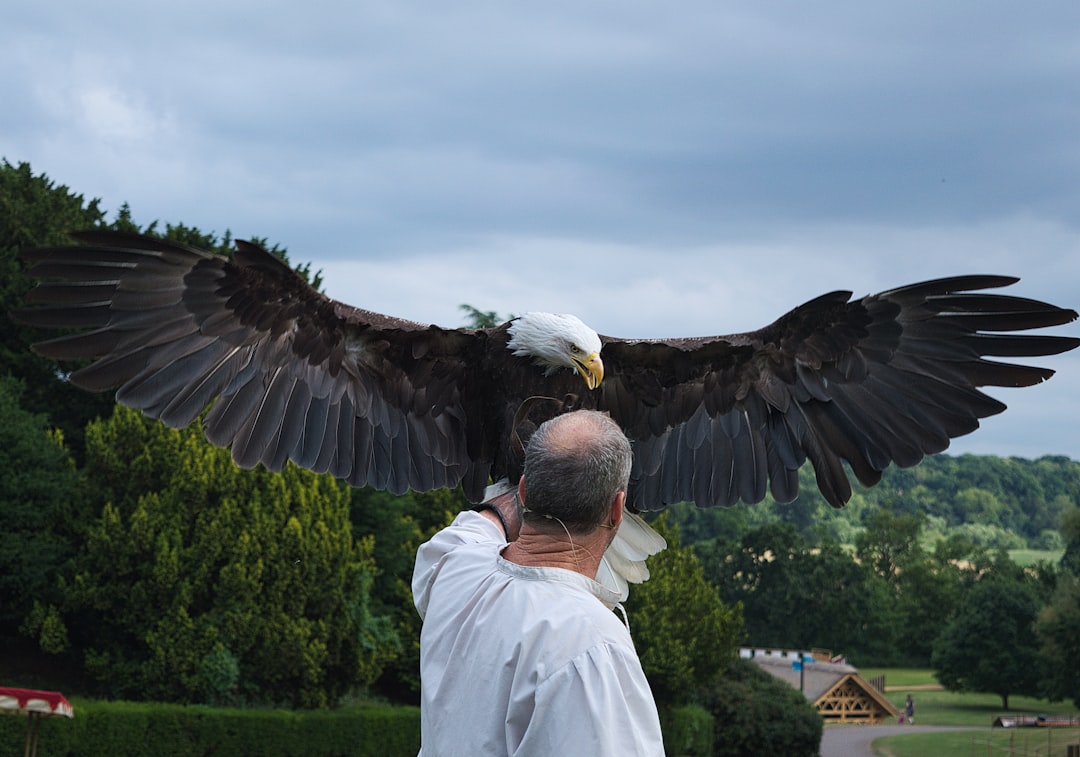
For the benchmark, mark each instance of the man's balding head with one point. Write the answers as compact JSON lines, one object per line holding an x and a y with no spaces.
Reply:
{"x":575,"y":464}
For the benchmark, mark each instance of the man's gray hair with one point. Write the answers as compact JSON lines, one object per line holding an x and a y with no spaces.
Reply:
{"x":575,"y":464}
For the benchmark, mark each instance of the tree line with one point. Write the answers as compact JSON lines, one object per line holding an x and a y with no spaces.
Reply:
{"x":140,"y":560}
{"x":992,"y":502}
{"x":980,"y":620}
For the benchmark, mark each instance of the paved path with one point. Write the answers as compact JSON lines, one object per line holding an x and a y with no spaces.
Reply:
{"x":854,"y":740}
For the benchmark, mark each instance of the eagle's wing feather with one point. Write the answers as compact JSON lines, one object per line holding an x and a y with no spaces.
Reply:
{"x":291,"y":374}
{"x":888,"y":378}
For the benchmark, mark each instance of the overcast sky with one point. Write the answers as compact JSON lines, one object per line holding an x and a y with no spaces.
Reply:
{"x":659,"y":169}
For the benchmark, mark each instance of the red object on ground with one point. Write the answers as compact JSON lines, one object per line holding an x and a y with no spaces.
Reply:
{"x":25,"y":701}
{"x":36,"y":705}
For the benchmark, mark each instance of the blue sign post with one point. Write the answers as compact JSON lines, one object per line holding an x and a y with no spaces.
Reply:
{"x":799,"y":664}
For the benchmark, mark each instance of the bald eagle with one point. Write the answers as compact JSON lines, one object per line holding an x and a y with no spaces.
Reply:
{"x":292,"y":375}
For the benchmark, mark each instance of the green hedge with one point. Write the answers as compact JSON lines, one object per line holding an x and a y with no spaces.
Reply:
{"x":114,"y":729}
{"x":117,"y":729}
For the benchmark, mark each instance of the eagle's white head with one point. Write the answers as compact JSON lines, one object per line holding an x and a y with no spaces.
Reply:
{"x":557,"y":340}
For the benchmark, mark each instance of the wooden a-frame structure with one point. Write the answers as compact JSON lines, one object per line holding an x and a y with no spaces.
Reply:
{"x":836,"y":689}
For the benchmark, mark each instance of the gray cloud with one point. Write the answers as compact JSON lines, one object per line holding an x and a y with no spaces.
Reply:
{"x":659,"y":170}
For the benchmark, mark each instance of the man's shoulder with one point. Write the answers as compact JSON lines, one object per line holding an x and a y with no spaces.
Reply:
{"x":572,"y":615}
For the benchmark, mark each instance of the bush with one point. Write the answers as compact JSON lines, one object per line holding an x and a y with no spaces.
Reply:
{"x":989,"y":536}
{"x":1048,"y":539}
{"x":684,"y":633}
{"x":688,"y":731}
{"x":201,"y":583}
{"x":127,"y":728}
{"x":754,"y":713}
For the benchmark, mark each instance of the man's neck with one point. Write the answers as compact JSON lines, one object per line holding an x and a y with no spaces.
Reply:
{"x":580,"y":553}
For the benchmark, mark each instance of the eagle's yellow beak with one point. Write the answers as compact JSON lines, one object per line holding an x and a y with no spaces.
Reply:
{"x":591,"y":369}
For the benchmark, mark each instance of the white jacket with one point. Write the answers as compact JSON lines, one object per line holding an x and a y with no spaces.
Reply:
{"x":518,"y":660}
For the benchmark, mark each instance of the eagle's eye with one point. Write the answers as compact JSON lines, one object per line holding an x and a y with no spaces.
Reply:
{"x":574,"y":349}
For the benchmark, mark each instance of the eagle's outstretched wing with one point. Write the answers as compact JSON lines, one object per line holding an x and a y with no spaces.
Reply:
{"x":292,"y":374}
{"x":889,"y":378}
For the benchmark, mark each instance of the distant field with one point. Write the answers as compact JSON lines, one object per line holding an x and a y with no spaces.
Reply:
{"x":901,"y":676}
{"x":952,"y":708}
{"x":1032,"y":556}
{"x":1022,"y":557}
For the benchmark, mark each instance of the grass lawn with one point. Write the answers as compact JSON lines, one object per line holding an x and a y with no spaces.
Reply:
{"x":971,"y":710}
{"x":952,"y":708}
{"x":1019,"y":742}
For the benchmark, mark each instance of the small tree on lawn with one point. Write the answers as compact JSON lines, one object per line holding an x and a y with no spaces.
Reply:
{"x":989,"y":645}
{"x":1058,"y":632}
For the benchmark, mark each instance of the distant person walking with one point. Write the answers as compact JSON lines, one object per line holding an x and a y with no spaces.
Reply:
{"x":909,"y":710}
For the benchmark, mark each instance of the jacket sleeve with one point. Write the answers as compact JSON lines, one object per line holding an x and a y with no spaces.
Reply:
{"x":467,"y":528}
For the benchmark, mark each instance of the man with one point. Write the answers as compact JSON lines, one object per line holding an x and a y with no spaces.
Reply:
{"x":520,"y":652}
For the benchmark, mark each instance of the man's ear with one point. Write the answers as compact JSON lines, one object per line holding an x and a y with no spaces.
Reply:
{"x":618,"y":506}
{"x":521,"y":491}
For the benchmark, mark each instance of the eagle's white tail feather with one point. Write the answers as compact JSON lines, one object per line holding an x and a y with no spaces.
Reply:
{"x":637,"y":539}
{"x":624,"y":561}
